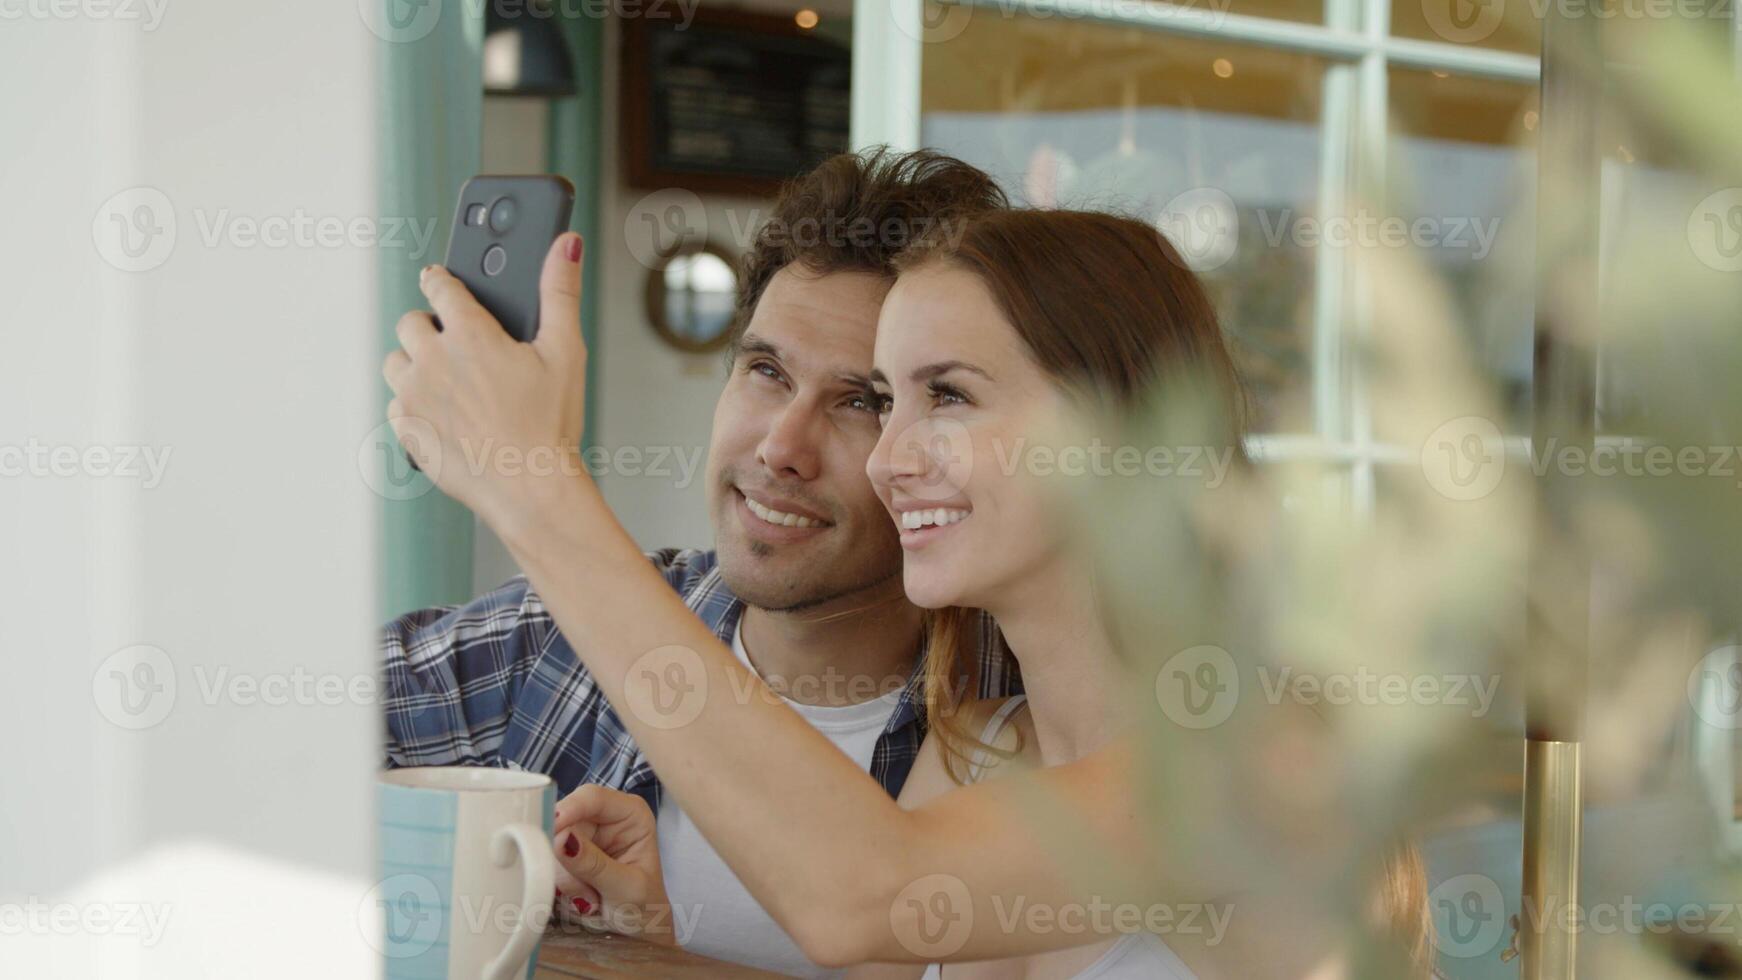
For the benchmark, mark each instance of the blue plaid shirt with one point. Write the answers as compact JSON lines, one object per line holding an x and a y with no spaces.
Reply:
{"x":494,"y":683}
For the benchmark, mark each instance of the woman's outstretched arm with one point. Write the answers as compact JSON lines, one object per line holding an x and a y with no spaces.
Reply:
{"x":851,"y":875}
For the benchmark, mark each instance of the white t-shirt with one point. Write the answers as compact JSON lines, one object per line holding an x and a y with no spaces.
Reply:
{"x":713,"y":912}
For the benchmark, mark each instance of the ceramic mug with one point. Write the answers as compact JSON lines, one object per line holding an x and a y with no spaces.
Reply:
{"x":467,"y":873}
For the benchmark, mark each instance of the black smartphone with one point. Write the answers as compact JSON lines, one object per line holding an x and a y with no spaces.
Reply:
{"x":502,"y":229}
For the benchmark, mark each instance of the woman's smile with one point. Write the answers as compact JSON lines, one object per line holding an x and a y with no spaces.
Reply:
{"x":921,"y":526}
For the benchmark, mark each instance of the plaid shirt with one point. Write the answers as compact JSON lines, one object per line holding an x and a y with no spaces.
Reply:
{"x":495,"y":683}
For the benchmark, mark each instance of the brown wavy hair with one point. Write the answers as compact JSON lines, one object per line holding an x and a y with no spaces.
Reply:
{"x":1109,"y":309}
{"x":856,"y":212}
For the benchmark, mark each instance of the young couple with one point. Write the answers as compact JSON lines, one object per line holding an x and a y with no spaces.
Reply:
{"x":857,"y":475}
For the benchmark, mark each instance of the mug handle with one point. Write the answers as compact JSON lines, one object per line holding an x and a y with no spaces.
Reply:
{"x":539,"y":864}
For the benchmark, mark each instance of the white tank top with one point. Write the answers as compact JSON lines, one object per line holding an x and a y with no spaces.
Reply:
{"x":1136,"y":956}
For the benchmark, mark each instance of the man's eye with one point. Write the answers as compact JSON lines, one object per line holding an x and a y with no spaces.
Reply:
{"x":765,"y":369}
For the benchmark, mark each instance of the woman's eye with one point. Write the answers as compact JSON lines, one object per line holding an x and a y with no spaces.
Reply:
{"x":942,"y":394}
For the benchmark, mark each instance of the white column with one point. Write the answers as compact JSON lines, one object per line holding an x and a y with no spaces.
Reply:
{"x":186,"y":346}
{"x":887,"y":47}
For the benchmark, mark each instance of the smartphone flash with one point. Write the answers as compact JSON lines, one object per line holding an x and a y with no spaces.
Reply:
{"x":475,"y":214}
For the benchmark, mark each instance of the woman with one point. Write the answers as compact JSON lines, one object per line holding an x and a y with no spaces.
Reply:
{"x":983,"y":345}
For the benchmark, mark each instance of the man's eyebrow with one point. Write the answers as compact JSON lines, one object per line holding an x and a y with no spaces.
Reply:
{"x":756,"y":345}
{"x":854,"y":379}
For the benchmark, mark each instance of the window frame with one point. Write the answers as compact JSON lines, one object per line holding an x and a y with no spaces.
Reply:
{"x":1356,"y":44}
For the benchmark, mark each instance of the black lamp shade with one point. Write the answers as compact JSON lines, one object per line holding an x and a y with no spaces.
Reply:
{"x":526,"y":54}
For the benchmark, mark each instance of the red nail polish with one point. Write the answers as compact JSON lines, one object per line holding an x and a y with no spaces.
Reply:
{"x":573,"y":249}
{"x":582,"y":906}
{"x":572,"y":845}
{"x":559,"y":893}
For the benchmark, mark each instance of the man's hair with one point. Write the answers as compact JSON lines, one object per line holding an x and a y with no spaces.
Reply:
{"x":856,"y":211}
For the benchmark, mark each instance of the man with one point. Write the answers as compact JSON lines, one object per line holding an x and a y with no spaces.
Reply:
{"x":804,"y":581}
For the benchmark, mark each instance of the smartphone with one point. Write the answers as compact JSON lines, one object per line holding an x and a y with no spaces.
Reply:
{"x":503,"y":227}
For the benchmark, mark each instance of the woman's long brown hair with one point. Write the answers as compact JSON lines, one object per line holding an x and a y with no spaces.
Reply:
{"x":1108,"y":308}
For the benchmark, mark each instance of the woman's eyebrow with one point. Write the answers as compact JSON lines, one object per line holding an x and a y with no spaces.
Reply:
{"x":931,"y":371}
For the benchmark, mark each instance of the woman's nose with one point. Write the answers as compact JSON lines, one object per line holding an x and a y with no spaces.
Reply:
{"x":898,"y":454}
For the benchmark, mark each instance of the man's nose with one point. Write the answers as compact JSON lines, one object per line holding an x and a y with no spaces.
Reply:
{"x":790,"y":447}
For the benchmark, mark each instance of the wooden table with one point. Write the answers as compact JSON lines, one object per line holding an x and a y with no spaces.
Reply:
{"x":568,"y":951}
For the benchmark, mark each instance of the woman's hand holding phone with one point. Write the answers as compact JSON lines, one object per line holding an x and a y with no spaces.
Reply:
{"x":490,"y":419}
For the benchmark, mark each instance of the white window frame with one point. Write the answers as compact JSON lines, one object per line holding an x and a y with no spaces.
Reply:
{"x":1355,"y":42}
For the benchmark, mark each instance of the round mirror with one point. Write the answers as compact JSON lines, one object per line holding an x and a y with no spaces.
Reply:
{"x":691,"y":296}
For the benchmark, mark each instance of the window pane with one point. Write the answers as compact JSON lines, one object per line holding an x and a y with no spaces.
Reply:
{"x":1478,"y":23}
{"x":1462,"y":169}
{"x":1517,"y":27}
{"x":942,"y":21}
{"x":1218,"y":143}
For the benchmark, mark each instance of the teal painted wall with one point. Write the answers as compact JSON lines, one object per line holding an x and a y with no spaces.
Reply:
{"x":431,"y":110}
{"x":432,"y":114}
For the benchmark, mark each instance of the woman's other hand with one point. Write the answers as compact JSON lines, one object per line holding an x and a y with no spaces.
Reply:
{"x":606,"y":845}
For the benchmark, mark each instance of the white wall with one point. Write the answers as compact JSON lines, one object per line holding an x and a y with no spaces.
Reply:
{"x":143,"y":790}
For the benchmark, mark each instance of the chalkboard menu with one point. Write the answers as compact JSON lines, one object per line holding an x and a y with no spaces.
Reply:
{"x":736,"y":103}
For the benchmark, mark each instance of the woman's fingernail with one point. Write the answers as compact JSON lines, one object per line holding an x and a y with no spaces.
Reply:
{"x":582,"y":906}
{"x":571,"y":844}
{"x":573,"y":249}
{"x":559,"y":893}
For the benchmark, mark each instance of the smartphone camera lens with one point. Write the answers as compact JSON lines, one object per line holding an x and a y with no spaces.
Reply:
{"x":502,"y":215}
{"x":475,"y":215}
{"x":495,"y":260}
